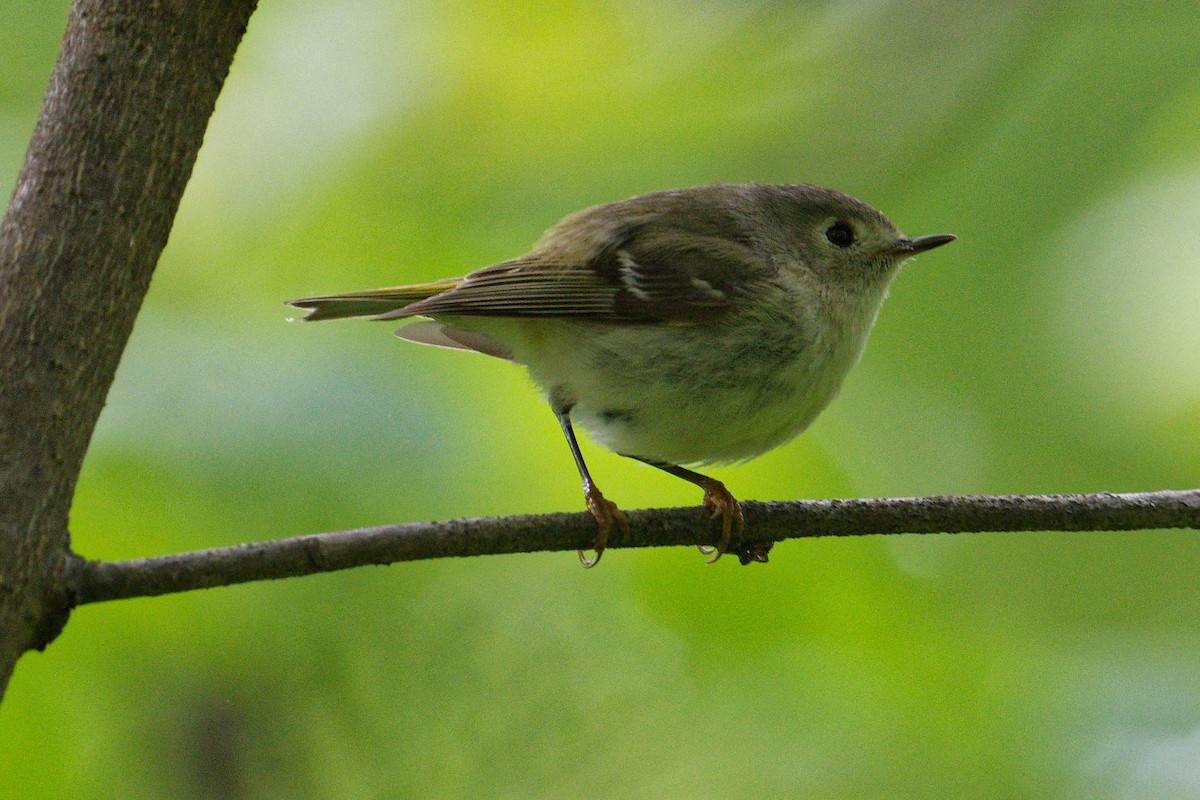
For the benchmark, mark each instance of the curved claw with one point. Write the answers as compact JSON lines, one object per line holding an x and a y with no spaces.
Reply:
{"x":718,"y":499}
{"x":605,"y":512}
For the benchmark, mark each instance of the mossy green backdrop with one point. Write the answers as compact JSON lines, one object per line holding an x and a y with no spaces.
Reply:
{"x":1054,"y":348}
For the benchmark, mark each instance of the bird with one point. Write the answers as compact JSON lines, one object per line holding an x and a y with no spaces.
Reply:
{"x":681,"y":328}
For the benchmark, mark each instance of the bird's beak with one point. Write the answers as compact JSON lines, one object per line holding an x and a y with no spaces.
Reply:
{"x":910,"y":247}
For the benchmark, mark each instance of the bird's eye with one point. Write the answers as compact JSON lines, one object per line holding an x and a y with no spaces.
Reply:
{"x":840,"y":234}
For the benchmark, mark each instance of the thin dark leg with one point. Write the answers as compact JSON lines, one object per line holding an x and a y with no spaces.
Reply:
{"x":716,"y":498}
{"x":603,"y":510}
{"x":564,"y":419}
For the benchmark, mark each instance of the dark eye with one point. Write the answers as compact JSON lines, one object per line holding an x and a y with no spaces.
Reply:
{"x":840,"y":234}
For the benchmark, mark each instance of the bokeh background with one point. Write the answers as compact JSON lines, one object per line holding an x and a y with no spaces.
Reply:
{"x":1054,"y":348}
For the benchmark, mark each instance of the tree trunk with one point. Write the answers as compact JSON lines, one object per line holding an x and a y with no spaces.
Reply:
{"x":122,"y":121}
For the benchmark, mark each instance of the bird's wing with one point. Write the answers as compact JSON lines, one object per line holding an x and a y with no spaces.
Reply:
{"x":651,"y":272}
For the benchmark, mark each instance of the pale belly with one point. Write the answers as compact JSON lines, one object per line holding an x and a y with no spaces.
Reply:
{"x":689,"y":395}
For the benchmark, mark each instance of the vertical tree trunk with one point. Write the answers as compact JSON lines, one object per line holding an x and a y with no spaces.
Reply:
{"x":122,"y":121}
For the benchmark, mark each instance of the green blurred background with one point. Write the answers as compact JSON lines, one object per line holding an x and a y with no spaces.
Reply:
{"x":1054,"y":348}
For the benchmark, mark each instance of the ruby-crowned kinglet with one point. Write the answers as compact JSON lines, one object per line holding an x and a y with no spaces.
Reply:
{"x":693,"y":326}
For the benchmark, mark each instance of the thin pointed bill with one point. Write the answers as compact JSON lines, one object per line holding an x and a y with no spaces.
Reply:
{"x":910,"y":247}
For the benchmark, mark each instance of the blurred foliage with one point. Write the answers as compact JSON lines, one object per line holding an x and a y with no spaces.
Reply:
{"x":1053,"y":348}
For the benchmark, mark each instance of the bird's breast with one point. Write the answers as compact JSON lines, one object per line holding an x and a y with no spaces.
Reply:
{"x":700,"y":394}
{"x":693,"y":393}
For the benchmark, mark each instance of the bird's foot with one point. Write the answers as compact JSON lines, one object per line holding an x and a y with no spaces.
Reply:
{"x":605,"y":512}
{"x":722,"y":504}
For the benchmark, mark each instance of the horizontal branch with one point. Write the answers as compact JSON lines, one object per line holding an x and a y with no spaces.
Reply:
{"x":766,"y":523}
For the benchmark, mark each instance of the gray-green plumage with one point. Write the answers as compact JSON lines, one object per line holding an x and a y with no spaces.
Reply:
{"x":688,"y":326}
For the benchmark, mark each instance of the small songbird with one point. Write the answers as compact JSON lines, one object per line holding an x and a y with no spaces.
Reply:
{"x":685,"y":327}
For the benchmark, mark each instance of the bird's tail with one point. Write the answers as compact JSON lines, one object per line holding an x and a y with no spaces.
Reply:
{"x":370,"y":303}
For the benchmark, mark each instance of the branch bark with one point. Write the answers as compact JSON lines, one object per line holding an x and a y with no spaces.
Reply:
{"x":96,"y":581}
{"x":122,"y":121}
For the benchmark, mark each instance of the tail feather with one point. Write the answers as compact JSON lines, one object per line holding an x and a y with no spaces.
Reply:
{"x":369,"y":303}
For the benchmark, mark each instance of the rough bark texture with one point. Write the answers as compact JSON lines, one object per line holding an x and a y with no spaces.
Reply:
{"x":766,"y":523}
{"x":122,"y":121}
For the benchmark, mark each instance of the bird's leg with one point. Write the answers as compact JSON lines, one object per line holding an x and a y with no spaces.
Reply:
{"x":604,"y":510}
{"x":718,"y":500}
